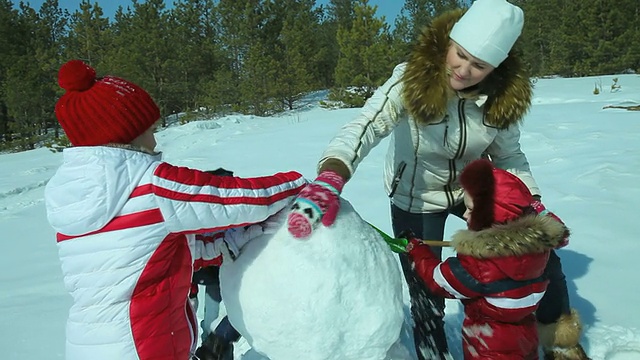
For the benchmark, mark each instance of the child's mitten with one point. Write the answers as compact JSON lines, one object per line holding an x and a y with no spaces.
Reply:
{"x":317,"y":202}
{"x":542,"y":210}
{"x":235,"y":239}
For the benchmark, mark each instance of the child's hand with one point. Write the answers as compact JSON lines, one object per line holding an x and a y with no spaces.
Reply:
{"x":410,"y":246}
{"x":275,"y":221}
{"x":317,"y":202}
{"x":539,"y":207}
{"x":235,"y":239}
{"x":410,"y":238}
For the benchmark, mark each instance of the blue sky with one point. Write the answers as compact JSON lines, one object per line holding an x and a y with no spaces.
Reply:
{"x":387,"y":8}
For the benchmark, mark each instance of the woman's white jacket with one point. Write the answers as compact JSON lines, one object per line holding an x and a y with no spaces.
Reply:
{"x":433,"y":134}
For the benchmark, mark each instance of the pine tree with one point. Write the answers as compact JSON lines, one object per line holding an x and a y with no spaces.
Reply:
{"x":413,"y":17}
{"x":342,"y":12}
{"x":13,"y":37}
{"x":198,"y":56}
{"x":89,"y":34}
{"x":30,"y":86}
{"x":567,"y":46}
{"x":259,"y":69}
{"x":542,"y":18}
{"x":617,"y":22}
{"x":142,"y":49}
{"x":50,"y":39}
{"x":21,"y":85}
{"x":328,"y":54}
{"x":297,"y":50}
{"x":234,"y":30}
{"x":631,"y":38}
{"x":577,"y":38}
{"x":336,"y":14}
{"x":595,"y":41}
{"x":363,"y":61}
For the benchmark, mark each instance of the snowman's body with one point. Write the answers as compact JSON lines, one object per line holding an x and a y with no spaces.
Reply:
{"x":336,"y":295}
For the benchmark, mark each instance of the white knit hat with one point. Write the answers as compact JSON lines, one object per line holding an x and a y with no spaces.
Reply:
{"x":489,"y":29}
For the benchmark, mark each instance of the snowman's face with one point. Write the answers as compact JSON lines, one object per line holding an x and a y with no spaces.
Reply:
{"x":302,"y":218}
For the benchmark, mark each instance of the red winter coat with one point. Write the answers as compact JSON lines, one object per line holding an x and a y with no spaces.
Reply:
{"x":497,"y":274}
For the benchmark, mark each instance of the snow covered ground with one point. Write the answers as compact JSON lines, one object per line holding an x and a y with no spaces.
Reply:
{"x":585,"y":158}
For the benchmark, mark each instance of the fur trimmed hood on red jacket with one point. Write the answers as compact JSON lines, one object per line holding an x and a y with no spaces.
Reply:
{"x":426,"y":81}
{"x":530,"y":234}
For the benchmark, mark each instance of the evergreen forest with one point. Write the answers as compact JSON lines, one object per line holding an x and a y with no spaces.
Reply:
{"x":206,"y":57}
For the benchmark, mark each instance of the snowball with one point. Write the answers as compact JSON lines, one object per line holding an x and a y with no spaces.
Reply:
{"x":336,"y":295}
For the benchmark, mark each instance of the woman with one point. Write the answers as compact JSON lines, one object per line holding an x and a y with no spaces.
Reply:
{"x":460,"y":97}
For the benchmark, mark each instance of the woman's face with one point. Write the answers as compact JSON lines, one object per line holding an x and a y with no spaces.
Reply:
{"x":468,"y":203}
{"x":464,"y":69}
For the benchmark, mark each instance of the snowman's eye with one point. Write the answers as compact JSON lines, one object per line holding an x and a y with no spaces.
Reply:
{"x":309,"y":213}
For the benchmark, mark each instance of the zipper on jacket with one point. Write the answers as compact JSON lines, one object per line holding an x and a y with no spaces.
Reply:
{"x":445,"y":138}
{"x":462,"y":144}
{"x":396,"y":178}
{"x":447,"y":188}
{"x":445,"y":141}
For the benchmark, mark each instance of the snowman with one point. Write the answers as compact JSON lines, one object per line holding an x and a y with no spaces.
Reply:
{"x":335,"y":295}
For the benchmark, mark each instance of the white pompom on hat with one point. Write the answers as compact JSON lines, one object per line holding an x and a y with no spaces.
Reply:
{"x":489,"y":29}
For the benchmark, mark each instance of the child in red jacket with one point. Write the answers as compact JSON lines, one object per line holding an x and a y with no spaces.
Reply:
{"x":498,"y":270}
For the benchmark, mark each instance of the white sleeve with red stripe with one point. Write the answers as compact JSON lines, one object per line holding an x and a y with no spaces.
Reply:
{"x":446,"y":279}
{"x":428,"y":267}
{"x":516,"y":299}
{"x":194,"y":201}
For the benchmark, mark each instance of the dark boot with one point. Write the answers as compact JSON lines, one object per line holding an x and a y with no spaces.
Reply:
{"x":560,"y":340}
{"x":215,"y":348}
{"x":428,"y":332}
{"x":427,"y":312}
{"x":570,"y":353}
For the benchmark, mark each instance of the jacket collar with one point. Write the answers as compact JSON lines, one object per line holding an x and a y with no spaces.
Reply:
{"x":506,"y":92}
{"x":530,"y":234}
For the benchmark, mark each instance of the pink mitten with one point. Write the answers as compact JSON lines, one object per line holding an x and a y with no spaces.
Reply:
{"x":317,"y":202}
{"x":542,"y":210}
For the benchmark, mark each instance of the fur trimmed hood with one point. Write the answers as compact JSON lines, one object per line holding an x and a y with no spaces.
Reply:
{"x":426,"y":81}
{"x":530,"y":234}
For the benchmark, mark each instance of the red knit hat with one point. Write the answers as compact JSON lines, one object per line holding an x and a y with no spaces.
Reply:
{"x":98,"y":111}
{"x":498,"y":195}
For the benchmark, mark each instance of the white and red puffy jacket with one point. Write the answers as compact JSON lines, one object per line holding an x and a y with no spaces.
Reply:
{"x":126,"y":225}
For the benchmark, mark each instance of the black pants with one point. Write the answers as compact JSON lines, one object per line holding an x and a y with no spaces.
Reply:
{"x":427,"y":309}
{"x":555,"y":301}
{"x":209,"y":277}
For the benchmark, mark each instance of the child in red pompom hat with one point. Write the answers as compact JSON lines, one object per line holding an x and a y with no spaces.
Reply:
{"x":499,"y":270}
{"x":127,"y":222}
